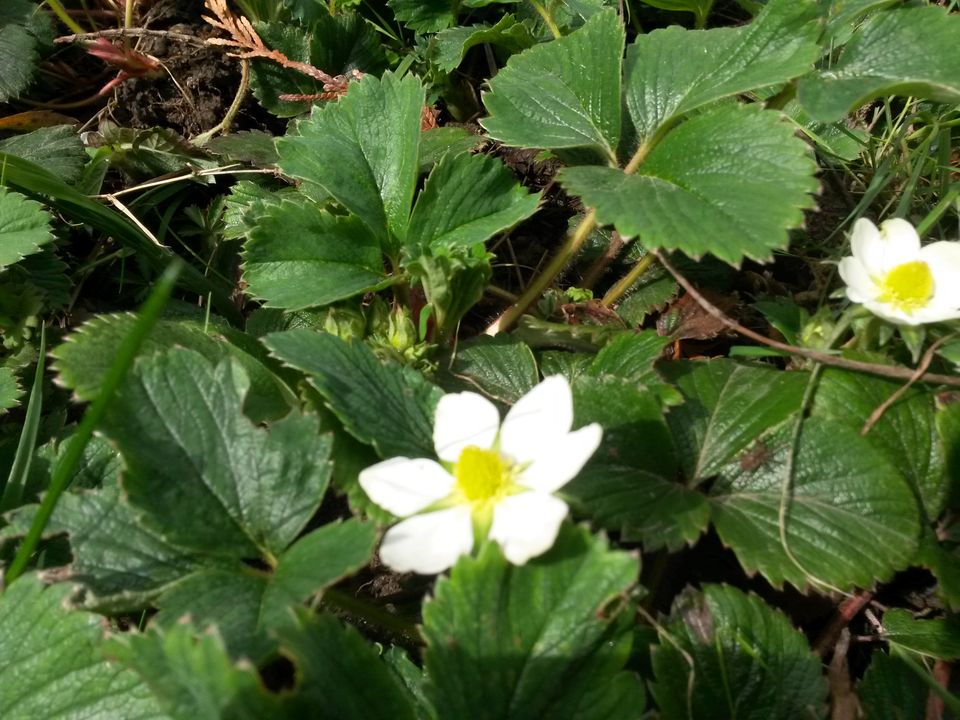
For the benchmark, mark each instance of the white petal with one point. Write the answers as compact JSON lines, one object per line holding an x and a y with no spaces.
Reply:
{"x":554,"y":469}
{"x":943,"y":258}
{"x":860,"y":287}
{"x":526,"y":525}
{"x":464,"y":419}
{"x":404,"y":486}
{"x":887,"y":312}
{"x":934,"y":314}
{"x":901,"y":244}
{"x":428,"y":543}
{"x":866,"y":246}
{"x":538,"y":421}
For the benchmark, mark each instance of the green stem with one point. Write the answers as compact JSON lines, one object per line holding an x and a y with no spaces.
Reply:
{"x":393,"y":624}
{"x":224,"y":125}
{"x":568,"y":251}
{"x":64,"y":469}
{"x":949,"y":699}
{"x":59,"y":11}
{"x":627,"y":281}
{"x":570,"y":248}
{"x":547,"y":19}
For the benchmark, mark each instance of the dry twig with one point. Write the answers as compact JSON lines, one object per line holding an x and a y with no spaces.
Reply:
{"x":890,"y":371}
{"x":245,"y":39}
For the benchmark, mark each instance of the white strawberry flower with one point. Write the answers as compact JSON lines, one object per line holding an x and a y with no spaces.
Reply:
{"x":896,"y":279}
{"x":493,"y":480}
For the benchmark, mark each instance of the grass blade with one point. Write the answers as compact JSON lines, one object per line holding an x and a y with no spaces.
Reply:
{"x":64,"y":469}
{"x":17,"y":480}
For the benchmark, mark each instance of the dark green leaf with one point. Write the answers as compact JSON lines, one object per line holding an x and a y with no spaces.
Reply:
{"x":57,"y":149}
{"x":749,"y":663}
{"x":905,"y":435}
{"x":904,"y":51}
{"x":850,"y":518}
{"x":24,"y":227}
{"x":451,"y":46}
{"x":748,"y":181}
{"x":340,"y":676}
{"x":84,"y":359}
{"x":536,"y":641}
{"x":298,"y":256}
{"x":363,"y":150}
{"x":51,"y":667}
{"x":388,"y":406}
{"x":501,"y":367}
{"x":562,"y":94}
{"x":18,"y":48}
{"x":338,"y":45}
{"x":892,"y":691}
{"x":727,"y":407}
{"x":936,"y":638}
{"x":201,"y":472}
{"x":673,"y":71}
{"x":466,"y":200}
{"x":192,"y":677}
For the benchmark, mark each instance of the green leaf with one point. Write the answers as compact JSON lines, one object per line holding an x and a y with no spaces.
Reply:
{"x":298,"y":256}
{"x":201,"y":472}
{"x":51,"y":667}
{"x":24,"y":227}
{"x":906,"y":434}
{"x":57,"y":149}
{"x":845,"y":502}
{"x":630,"y":357}
{"x":501,"y":367}
{"x":890,"y":690}
{"x":934,"y":638}
{"x":18,"y":48}
{"x":641,"y":505}
{"x":256,"y":147}
{"x":10,"y":390}
{"x":246,"y":607}
{"x":387,"y":406}
{"x":700,"y":8}
{"x":425,"y":15}
{"x":904,"y":51}
{"x":466,"y":200}
{"x":748,"y":181}
{"x":630,"y":484}
{"x":192,"y":677}
{"x":749,"y":663}
{"x":338,"y":45}
{"x":436,"y":142}
{"x":451,"y":46}
{"x":83,"y":360}
{"x":672,"y":71}
{"x":363,"y":150}
{"x":562,"y":94}
{"x":547,"y":639}
{"x":340,"y":675}
{"x":727,"y":407}
{"x":121,"y":564}
{"x":453,"y":280}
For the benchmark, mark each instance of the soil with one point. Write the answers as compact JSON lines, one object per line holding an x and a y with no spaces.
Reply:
{"x":208,"y":79}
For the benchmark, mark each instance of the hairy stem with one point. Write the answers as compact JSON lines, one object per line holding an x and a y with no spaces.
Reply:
{"x":65,"y":18}
{"x":625,"y":283}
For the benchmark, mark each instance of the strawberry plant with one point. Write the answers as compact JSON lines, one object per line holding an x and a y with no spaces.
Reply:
{"x":556,"y":358}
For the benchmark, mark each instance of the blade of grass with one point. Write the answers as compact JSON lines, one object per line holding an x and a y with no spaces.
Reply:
{"x":122,"y":362}
{"x":17,"y":480}
{"x":32,"y":179}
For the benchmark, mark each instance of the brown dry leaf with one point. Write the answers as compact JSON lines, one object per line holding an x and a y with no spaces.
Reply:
{"x":684,"y":319}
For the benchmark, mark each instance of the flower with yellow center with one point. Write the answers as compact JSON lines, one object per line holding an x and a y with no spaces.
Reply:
{"x":896,"y":279}
{"x":493,"y":480}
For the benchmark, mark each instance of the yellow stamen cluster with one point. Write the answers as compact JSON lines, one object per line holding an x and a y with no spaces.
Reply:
{"x":908,"y":287}
{"x":482,"y":475}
